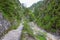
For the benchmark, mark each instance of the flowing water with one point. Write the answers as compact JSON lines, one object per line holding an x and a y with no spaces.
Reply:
{"x":36,"y":30}
{"x":14,"y":34}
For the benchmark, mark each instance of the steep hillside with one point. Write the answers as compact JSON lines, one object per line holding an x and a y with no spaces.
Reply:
{"x":47,"y":15}
{"x":10,"y":15}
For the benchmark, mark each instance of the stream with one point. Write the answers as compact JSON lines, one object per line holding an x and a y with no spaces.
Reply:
{"x":16,"y":34}
{"x":36,"y":30}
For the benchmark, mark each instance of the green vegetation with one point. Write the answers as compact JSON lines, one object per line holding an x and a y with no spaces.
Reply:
{"x":46,"y":14}
{"x":12,"y":11}
{"x":28,"y":32}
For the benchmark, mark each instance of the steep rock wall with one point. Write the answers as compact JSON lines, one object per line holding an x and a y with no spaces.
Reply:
{"x":4,"y":24}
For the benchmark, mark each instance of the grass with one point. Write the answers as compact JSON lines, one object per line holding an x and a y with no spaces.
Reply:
{"x":29,"y":31}
{"x":26,"y":30}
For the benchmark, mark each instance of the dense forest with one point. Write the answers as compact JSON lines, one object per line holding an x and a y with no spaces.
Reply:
{"x":46,"y":14}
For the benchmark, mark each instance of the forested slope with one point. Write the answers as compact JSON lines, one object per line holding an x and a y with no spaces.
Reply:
{"x":47,"y":15}
{"x":10,"y":15}
{"x":11,"y":9}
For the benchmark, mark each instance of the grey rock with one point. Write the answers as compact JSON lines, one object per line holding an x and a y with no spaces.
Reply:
{"x":14,"y":34}
{"x":4,"y":24}
{"x":1,"y":16}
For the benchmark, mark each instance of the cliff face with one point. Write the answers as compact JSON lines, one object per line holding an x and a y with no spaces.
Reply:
{"x":4,"y":24}
{"x":10,"y":15}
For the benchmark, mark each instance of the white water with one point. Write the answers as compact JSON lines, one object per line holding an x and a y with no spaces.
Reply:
{"x":36,"y":29}
{"x":14,"y":34}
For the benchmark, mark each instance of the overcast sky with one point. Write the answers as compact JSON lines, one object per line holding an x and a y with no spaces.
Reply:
{"x":28,"y":3}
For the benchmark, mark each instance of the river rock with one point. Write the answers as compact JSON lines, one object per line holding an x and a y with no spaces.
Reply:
{"x":4,"y":24}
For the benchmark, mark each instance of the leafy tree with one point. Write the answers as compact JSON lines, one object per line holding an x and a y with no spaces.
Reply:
{"x":47,"y":15}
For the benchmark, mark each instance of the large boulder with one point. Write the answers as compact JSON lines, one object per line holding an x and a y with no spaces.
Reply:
{"x":4,"y":24}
